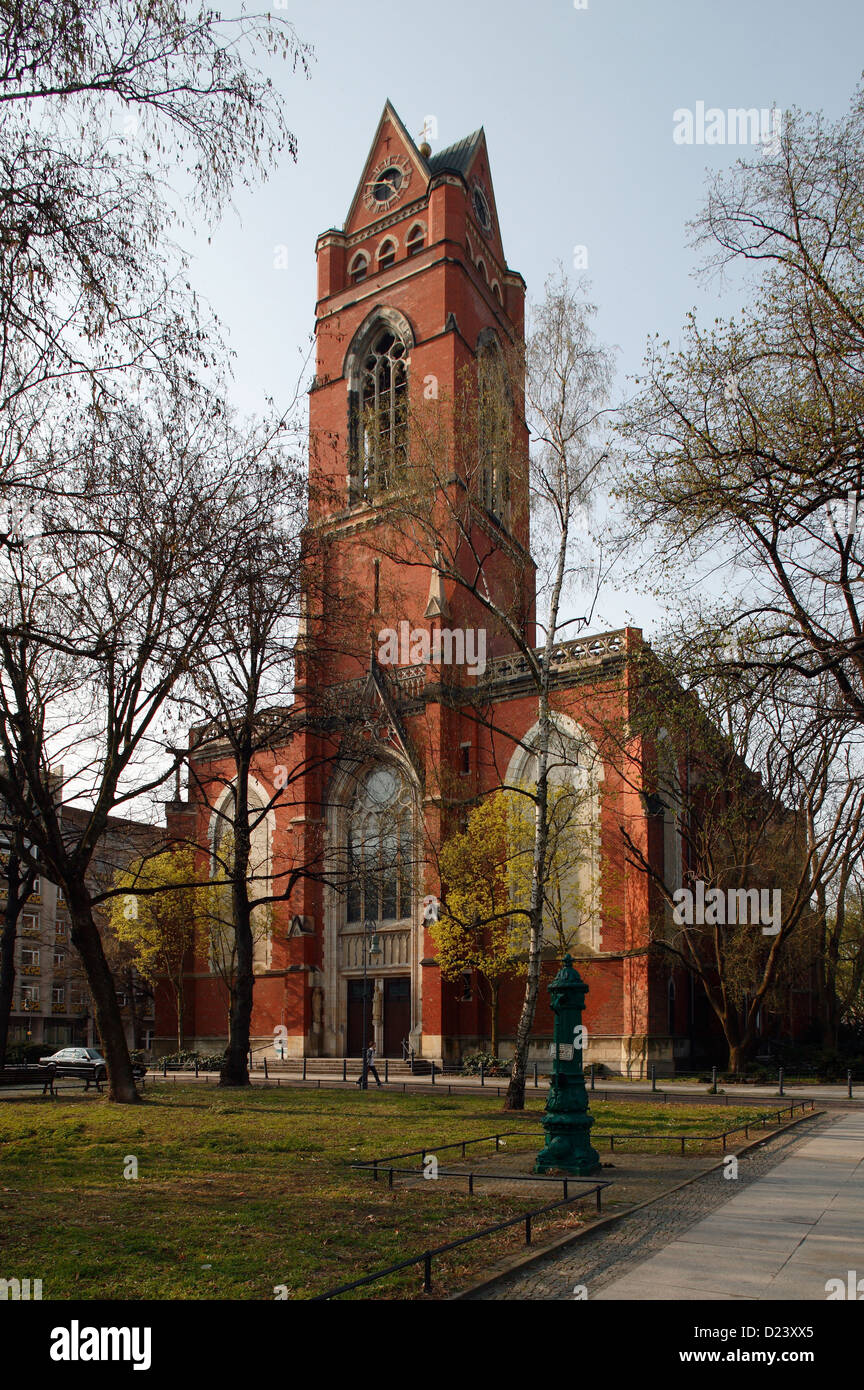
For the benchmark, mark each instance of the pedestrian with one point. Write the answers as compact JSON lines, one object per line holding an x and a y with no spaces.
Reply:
{"x":370,"y":1067}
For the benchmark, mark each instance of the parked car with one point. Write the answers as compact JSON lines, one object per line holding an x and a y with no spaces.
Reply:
{"x":86,"y":1062}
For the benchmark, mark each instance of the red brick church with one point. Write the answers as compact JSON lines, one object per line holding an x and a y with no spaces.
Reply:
{"x":410,"y":291}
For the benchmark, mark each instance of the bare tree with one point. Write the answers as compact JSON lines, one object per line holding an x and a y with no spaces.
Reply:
{"x":468,"y":460}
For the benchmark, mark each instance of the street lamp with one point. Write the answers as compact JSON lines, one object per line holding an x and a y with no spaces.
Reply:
{"x":370,"y":948}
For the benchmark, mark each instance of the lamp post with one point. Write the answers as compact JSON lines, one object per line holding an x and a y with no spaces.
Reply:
{"x":370,"y":948}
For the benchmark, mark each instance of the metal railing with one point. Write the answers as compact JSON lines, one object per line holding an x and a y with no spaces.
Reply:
{"x":526,"y":1218}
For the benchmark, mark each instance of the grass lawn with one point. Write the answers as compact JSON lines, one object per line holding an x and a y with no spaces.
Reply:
{"x":239,"y":1192}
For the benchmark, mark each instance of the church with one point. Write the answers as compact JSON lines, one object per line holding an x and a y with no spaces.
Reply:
{"x":413,"y":291}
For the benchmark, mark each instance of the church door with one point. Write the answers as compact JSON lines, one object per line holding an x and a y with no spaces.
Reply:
{"x":355,"y":1016}
{"x":397,"y":1014}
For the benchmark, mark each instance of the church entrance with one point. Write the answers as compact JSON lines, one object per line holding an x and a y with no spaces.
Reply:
{"x":397,"y":1014}
{"x":355,"y":1016}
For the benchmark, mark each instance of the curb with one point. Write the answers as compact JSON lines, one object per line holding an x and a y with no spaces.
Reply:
{"x":516,"y":1263}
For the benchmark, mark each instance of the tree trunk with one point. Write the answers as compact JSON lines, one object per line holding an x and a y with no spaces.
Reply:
{"x":515,"y":1099}
{"x":7,"y":971}
{"x":737,"y":1057}
{"x":235,"y":1065}
{"x":493,"y":1015}
{"x":18,"y":889}
{"x":178,"y":992}
{"x":109,"y":1020}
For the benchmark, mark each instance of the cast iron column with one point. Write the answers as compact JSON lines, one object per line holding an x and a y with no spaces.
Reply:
{"x":567,"y":1122}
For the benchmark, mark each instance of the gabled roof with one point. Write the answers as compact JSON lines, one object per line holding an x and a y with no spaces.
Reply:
{"x":456,"y":158}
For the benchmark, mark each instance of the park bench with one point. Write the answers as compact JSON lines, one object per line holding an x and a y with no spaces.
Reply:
{"x":25,"y":1075}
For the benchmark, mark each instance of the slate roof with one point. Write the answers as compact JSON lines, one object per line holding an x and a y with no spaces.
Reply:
{"x":456,"y":158}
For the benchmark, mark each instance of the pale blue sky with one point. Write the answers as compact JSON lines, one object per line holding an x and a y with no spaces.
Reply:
{"x":578,"y":109}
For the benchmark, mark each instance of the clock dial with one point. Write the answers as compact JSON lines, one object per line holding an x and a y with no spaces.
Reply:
{"x":387,"y":184}
{"x":480,"y":204}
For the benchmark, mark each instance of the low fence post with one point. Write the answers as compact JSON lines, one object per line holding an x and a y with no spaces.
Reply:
{"x":482,"y":1075}
{"x":196,"y":1067}
{"x":780,"y":1075}
{"x":433,"y":1072}
{"x":849,"y":1083}
{"x":266,"y":1073}
{"x":304,"y":1066}
{"x":713,"y":1081}
{"x":344,"y":1068}
{"x":653,"y":1077}
{"x":536,"y":1081}
{"x":386,"y":1069}
{"x":592,"y":1076}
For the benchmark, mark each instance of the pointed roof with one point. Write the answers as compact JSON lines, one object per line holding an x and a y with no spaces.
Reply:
{"x":456,"y":159}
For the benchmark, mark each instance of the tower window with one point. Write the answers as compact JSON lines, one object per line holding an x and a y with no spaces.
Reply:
{"x":494,"y":429}
{"x":465,"y":758}
{"x":384,"y":396}
{"x":359,"y":269}
{"x":387,"y":255}
{"x":415,"y":241}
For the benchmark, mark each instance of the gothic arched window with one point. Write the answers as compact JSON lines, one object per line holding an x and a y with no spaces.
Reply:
{"x":380,"y":848}
{"x":384,"y":413}
{"x":494,"y":428}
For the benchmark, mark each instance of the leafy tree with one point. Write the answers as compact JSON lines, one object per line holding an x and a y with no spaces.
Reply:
{"x":164,"y":916}
{"x":487,"y":871}
{"x":475,"y":930}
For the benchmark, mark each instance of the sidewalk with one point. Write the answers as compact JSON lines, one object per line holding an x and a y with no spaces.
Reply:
{"x":781,"y":1238}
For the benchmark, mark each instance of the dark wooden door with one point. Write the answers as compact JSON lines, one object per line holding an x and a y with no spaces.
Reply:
{"x":355,"y":1016}
{"x":397,"y":1014}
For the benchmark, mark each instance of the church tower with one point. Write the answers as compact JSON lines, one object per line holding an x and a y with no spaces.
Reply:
{"x":415,"y":303}
{"x":414,"y":295}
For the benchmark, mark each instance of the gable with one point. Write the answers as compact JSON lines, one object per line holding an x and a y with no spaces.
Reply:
{"x":391,"y":149}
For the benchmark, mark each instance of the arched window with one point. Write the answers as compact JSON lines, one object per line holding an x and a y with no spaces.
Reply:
{"x":494,"y":428}
{"x":359,"y":268}
{"x":571,"y":908}
{"x":481,"y":266}
{"x":222,"y":939}
{"x":496,"y":290}
{"x":383,"y":438}
{"x":387,"y":255}
{"x":415,"y":241}
{"x":380,"y":848}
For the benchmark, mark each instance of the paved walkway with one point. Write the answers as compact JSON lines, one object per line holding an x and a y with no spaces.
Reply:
{"x":782,"y":1237}
{"x":793,"y":1219}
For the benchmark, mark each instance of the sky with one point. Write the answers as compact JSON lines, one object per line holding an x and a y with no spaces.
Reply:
{"x":578,"y":102}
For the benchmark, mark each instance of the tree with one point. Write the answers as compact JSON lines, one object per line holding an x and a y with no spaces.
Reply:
{"x":487,"y":871}
{"x":109,"y":438}
{"x":163,"y":917}
{"x":759,"y":801}
{"x":746,"y":444}
{"x":19,"y":879}
{"x":475,"y":930}
{"x":436,"y":516}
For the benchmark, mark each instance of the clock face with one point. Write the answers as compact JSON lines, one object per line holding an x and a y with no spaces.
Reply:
{"x":387,"y":184}
{"x":480,"y":204}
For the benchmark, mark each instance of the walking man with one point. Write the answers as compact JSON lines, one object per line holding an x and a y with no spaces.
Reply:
{"x":369,"y":1068}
